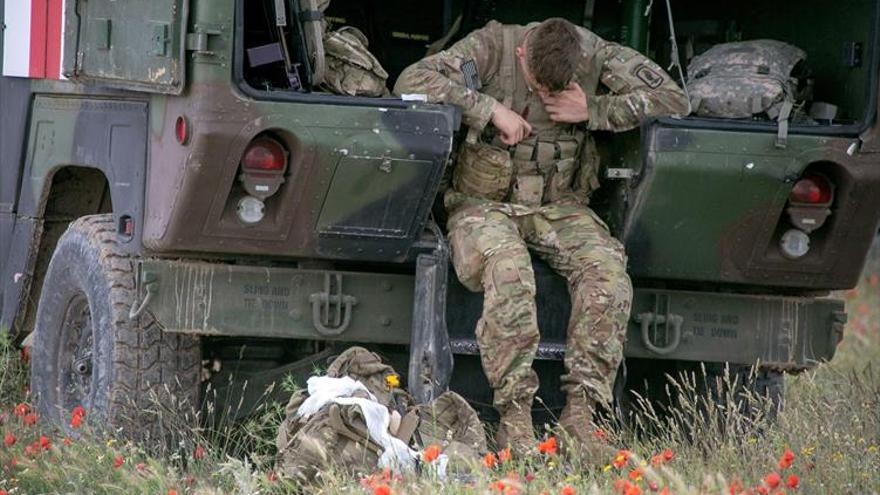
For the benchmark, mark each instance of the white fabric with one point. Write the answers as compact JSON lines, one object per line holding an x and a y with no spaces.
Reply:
{"x":324,"y":390}
{"x":395,"y":453}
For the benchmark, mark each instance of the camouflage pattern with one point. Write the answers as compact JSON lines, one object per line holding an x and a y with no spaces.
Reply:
{"x":743,"y":79}
{"x":546,"y":186}
{"x":336,"y":436}
{"x":351,"y":68}
{"x":639,"y":88}
{"x":490,"y":247}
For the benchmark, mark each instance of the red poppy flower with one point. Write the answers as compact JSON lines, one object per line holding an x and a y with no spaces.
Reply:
{"x":118,"y":461}
{"x":548,"y":446}
{"x":621,"y":458}
{"x":793,"y":481}
{"x":199,"y":453}
{"x":665,"y":491}
{"x":76,"y":422}
{"x":489,"y":460}
{"x":68,"y":442}
{"x":530,"y":477}
{"x":45,"y":443}
{"x":32,"y":450}
{"x":772,"y":480}
{"x":600,"y":435}
{"x":172,"y":492}
{"x":667,"y":455}
{"x":633,"y":490}
{"x":271,"y":476}
{"x":636,"y":474}
{"x":431,"y":453}
{"x":504,"y":455}
{"x":79,"y":411}
{"x":9,"y":440}
{"x":735,"y":488}
{"x":21,"y":410}
{"x":762,"y":490}
{"x":567,"y":490}
{"x":4,"y":492}
{"x":786,"y":460}
{"x":30,"y":419}
{"x":382,"y":490}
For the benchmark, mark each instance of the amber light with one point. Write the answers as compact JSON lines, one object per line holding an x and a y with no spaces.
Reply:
{"x":812,"y":189}
{"x":264,"y":154}
{"x":181,"y":130}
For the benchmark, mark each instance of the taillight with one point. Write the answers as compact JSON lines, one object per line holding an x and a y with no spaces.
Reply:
{"x":264,"y":154}
{"x":812,"y":189}
{"x":181,"y":130}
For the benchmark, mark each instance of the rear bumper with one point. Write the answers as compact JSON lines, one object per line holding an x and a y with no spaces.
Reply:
{"x":249,"y":301}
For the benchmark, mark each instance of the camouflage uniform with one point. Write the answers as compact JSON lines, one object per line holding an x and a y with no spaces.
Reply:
{"x":533,"y":196}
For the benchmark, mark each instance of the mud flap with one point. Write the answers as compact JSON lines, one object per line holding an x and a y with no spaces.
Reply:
{"x":430,"y":355}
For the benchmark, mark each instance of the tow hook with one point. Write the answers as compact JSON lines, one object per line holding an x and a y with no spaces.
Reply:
{"x":672,"y":322}
{"x":331,"y":309}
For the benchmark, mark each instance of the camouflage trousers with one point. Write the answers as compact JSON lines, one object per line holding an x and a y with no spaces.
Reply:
{"x":490,"y":249}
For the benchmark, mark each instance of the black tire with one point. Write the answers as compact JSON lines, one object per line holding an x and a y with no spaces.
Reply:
{"x":88,"y":352}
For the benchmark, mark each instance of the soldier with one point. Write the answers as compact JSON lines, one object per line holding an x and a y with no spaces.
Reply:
{"x":538,"y":87}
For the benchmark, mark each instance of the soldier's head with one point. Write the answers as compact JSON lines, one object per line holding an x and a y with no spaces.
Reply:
{"x":549,"y":54}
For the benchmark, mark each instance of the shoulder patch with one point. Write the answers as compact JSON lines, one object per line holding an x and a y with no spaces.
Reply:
{"x":648,"y":75}
{"x":471,"y":76}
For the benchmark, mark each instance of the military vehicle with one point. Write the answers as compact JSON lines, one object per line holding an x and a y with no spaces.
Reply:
{"x":181,"y":201}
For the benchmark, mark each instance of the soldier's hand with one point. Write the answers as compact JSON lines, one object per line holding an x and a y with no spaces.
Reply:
{"x":512,"y":126}
{"x":568,"y":106}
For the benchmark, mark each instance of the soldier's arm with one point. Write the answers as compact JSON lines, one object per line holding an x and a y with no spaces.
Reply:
{"x":639,"y":88}
{"x":440,"y":76}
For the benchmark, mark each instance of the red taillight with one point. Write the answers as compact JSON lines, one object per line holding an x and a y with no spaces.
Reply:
{"x":264,"y":154}
{"x":181,"y":130}
{"x":812,"y":189}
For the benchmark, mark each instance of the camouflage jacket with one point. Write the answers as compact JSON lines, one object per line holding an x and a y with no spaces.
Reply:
{"x":633,"y":88}
{"x":638,"y":88}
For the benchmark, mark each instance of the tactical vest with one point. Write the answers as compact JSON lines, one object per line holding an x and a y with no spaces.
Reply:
{"x":540,"y":169}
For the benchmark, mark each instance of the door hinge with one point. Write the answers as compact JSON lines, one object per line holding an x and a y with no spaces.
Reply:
{"x":199,"y":41}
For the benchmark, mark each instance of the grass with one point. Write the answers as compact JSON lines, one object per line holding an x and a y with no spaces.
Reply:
{"x":831,"y":424}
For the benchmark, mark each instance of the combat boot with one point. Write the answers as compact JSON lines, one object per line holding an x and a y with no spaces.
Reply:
{"x":578,"y":431}
{"x":515,"y":430}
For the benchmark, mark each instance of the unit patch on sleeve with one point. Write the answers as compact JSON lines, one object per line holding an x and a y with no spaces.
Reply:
{"x":648,"y":76}
{"x":471,"y":76}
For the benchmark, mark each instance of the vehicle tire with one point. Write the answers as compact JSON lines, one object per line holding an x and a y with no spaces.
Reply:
{"x":128,"y":374}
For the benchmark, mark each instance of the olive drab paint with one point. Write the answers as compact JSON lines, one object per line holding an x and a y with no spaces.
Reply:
{"x":699,"y":210}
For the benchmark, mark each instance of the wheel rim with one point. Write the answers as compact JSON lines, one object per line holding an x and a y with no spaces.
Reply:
{"x":75,"y":359}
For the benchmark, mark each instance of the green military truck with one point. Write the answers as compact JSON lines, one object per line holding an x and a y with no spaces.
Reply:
{"x":181,"y":201}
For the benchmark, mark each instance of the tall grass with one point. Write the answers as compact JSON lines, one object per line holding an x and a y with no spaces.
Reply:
{"x":831,"y":423}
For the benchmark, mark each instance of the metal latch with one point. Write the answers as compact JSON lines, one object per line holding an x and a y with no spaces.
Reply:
{"x":651,"y":323}
{"x":198,"y":41}
{"x":619,"y":173}
{"x":331,"y":309}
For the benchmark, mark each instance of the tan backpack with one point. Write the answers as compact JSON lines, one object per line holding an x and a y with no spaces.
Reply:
{"x":350,"y":67}
{"x":337,"y":435}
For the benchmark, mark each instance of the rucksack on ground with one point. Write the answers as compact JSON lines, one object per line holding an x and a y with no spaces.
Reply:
{"x":327,"y":430}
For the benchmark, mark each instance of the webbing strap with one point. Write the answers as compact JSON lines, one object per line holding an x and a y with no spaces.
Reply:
{"x":782,"y":130}
{"x":360,"y":437}
{"x":408,"y":425}
{"x":507,"y":70}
